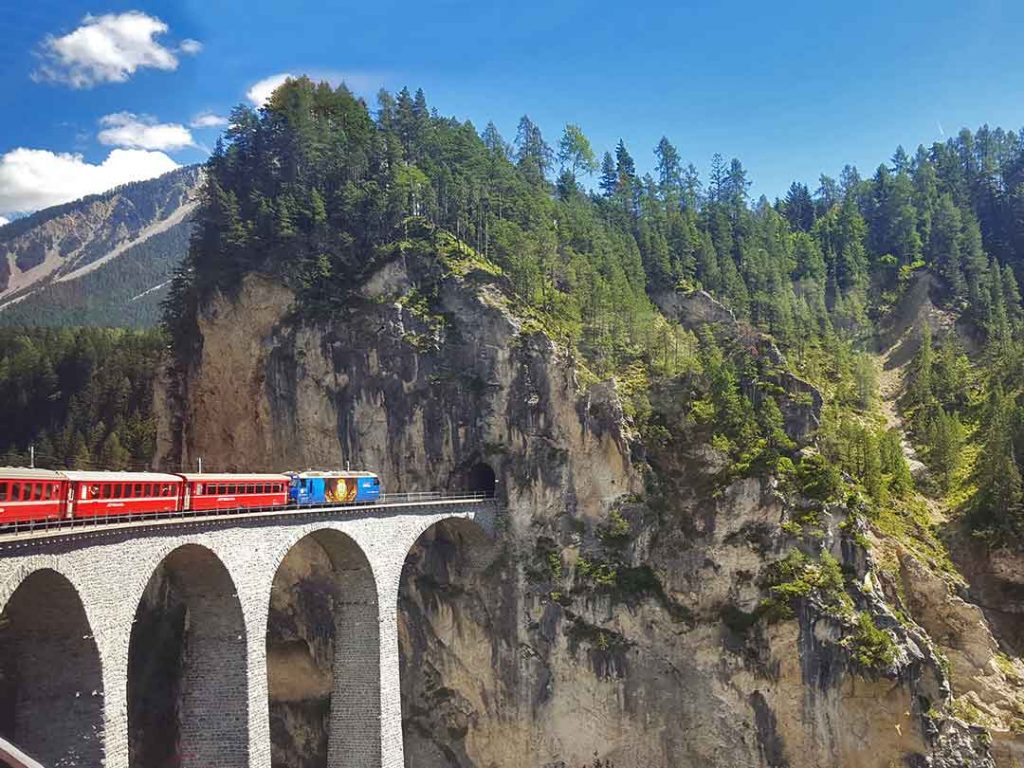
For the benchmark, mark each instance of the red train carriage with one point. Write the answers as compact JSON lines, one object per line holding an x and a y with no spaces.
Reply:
{"x":31,"y":494}
{"x":234,"y":491}
{"x":96,"y":494}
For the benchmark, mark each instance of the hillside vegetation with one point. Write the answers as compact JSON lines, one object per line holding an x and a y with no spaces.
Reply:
{"x":83,"y":398}
{"x":104,"y":260}
{"x":316,"y":189}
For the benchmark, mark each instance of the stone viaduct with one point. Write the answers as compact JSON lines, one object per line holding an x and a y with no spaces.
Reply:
{"x":68,"y":606}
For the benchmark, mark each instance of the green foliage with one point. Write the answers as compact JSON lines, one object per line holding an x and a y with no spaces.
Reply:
{"x":817,"y":478}
{"x":616,"y":531}
{"x":83,"y":397}
{"x":317,"y":191}
{"x":871,"y":648}
{"x":125,"y":292}
{"x":797,"y":577}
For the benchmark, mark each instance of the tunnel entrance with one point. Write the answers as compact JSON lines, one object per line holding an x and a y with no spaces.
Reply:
{"x":51,"y":688}
{"x":187,"y":698}
{"x":481,"y":479}
{"x":323,"y":656}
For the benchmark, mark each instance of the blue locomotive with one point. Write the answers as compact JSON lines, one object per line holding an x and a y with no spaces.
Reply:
{"x":318,"y":487}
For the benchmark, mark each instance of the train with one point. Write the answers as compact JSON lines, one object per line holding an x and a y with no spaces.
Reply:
{"x":29,"y":495}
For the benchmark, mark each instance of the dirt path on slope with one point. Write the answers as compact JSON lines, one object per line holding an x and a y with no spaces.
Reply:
{"x":892,"y":365}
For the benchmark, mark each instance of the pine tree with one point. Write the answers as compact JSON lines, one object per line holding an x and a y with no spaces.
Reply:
{"x":799,"y":207}
{"x":894,"y":463}
{"x":670,"y":172}
{"x":112,"y":454}
{"x":495,"y":143}
{"x":533,"y":155}
{"x":944,"y":247}
{"x":998,"y":504}
{"x":691,"y":188}
{"x":609,"y":176}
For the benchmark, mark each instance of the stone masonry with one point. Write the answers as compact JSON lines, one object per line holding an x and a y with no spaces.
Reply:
{"x":69,"y":604}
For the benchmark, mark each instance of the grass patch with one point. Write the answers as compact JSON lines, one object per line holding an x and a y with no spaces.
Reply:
{"x":909,"y":523}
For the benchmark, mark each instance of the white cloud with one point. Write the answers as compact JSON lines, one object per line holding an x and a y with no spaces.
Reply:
{"x":261,"y":91}
{"x":108,"y":49}
{"x":190,"y":47}
{"x":31,"y":179}
{"x":208,"y":120}
{"x":4,"y":221}
{"x":124,"y":129}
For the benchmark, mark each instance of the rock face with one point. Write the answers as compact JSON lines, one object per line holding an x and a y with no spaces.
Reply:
{"x":616,"y":617}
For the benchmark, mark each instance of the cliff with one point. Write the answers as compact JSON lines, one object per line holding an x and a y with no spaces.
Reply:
{"x":641,"y":607}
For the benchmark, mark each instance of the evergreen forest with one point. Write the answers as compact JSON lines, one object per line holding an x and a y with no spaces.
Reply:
{"x":317,"y":188}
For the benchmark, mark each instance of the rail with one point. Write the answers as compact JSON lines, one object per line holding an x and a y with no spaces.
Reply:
{"x":10,"y":531}
{"x":13,"y":757}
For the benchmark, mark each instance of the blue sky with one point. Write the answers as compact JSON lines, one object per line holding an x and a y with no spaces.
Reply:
{"x":93,"y":92}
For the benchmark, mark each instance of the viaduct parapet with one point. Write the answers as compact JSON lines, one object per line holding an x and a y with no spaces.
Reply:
{"x":69,"y":604}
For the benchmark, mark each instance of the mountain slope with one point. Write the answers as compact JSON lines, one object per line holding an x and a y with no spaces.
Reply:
{"x":102,"y":260}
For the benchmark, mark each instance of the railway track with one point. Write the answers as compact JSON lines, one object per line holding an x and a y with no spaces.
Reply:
{"x":15,"y":535}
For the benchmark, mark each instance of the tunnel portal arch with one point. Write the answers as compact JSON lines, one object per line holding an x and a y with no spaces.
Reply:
{"x":481,"y":478}
{"x":187,"y":682}
{"x":51,"y":687}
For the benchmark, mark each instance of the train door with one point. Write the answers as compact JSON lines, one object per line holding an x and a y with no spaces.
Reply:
{"x":70,"y":508}
{"x":317,"y":490}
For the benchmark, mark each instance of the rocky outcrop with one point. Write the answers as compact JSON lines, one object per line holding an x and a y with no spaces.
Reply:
{"x":799,"y":401}
{"x":621,"y":614}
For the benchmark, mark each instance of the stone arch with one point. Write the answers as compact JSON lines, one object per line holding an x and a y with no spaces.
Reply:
{"x":323,"y":655}
{"x":443,"y":566}
{"x":51,"y":687}
{"x":187,"y":685}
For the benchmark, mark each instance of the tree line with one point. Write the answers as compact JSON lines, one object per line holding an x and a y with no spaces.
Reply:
{"x":316,"y":188}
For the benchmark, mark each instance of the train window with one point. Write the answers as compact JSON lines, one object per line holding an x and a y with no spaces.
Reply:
{"x":250,"y":489}
{"x":37,"y":491}
{"x":231,"y":490}
{"x":116,"y":491}
{"x":15,"y":491}
{"x":3,"y":491}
